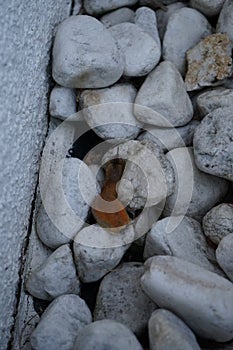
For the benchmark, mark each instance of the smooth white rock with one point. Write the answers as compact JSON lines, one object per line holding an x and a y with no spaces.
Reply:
{"x":225,"y":19}
{"x":162,"y":99}
{"x":163,"y":16}
{"x":224,"y":255}
{"x":195,"y":192}
{"x":118,"y":16}
{"x":218,"y":222}
{"x":106,"y":334}
{"x":121,"y":298}
{"x":213,"y":143}
{"x":168,"y":332}
{"x":212,"y":99}
{"x":209,"y":8}
{"x":62,"y":102}
{"x":170,"y":138}
{"x":201,"y":298}
{"x":55,"y":277}
{"x":109,"y":112}
{"x":185,"y":241}
{"x":97,"y":251}
{"x":79,"y":188}
{"x":140,"y":50}
{"x":60,"y":323}
{"x":185,"y":28}
{"x":148,"y":176}
{"x":146,"y":19}
{"x":85,"y":55}
{"x":97,"y":7}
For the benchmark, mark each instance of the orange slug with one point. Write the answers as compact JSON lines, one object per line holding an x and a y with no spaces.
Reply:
{"x":118,"y":218}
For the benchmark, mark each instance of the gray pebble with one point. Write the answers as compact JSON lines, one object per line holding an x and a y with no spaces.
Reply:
{"x":168,"y":332}
{"x":140,"y":50}
{"x":225,"y":19}
{"x":146,"y":19}
{"x":162,"y":99}
{"x":109,"y":112}
{"x":202,"y":299}
{"x":185,"y":28}
{"x":62,"y":102}
{"x":212,"y":99}
{"x":208,"y":8}
{"x":218,"y":222}
{"x":118,"y":16}
{"x":213,"y":143}
{"x":195,"y":192}
{"x":170,"y":138}
{"x":185,"y":240}
{"x":120,"y":298}
{"x":55,"y":277}
{"x":85,"y":55}
{"x":106,"y":334}
{"x":60,"y":323}
{"x":97,"y":251}
{"x":97,"y":7}
{"x":224,"y":255}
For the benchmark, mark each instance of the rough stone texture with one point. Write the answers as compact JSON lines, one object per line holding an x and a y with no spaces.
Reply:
{"x":209,"y":61}
{"x":162,"y":99}
{"x":97,"y":251}
{"x":140,"y":50}
{"x":209,"y":8}
{"x":55,"y":277}
{"x":163,"y":16}
{"x":168,"y":332}
{"x":60,"y":323}
{"x":225,"y":19}
{"x":170,"y":138}
{"x":106,"y":334}
{"x":224,"y":255}
{"x":218,"y":222}
{"x":118,"y":16}
{"x":186,"y":241}
{"x":25,"y":53}
{"x":213,"y":143}
{"x":146,"y":19}
{"x":96,"y":7}
{"x":210,"y":100}
{"x":185,"y":28}
{"x":195,"y":192}
{"x":62,"y":102}
{"x":121,"y":298}
{"x":110,"y":112}
{"x":85,"y":55}
{"x":201,"y":298}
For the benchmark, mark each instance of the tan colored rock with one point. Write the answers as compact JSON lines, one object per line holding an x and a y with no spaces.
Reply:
{"x":208,"y":61}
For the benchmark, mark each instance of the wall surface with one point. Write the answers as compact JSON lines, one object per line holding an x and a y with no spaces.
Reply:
{"x":27,"y":28}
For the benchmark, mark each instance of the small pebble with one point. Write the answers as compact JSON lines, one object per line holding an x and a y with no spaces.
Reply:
{"x":212,"y":99}
{"x":168,"y":332}
{"x":62,"y":103}
{"x":224,"y":255}
{"x":106,"y":335}
{"x":97,"y":7}
{"x":218,"y":222}
{"x":207,"y":7}
{"x":141,"y":51}
{"x":85,"y":55}
{"x":60,"y":323}
{"x":213,"y":144}
{"x":55,"y":277}
{"x":185,"y":28}
{"x":118,"y":16}
{"x":225,"y":19}
{"x":120,"y":298}
{"x":201,"y":298}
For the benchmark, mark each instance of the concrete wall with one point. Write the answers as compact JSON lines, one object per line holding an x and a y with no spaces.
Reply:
{"x":27,"y":28}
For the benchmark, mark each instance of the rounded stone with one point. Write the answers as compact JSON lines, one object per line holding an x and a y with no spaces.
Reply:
{"x":208,"y":8}
{"x":213,"y":143}
{"x":62,"y":103}
{"x":118,"y":16}
{"x":97,"y":7}
{"x":140,"y":50}
{"x":202,"y":299}
{"x":85,"y":55}
{"x":224,"y":255}
{"x":121,"y":298}
{"x":215,"y":98}
{"x":225,"y":19}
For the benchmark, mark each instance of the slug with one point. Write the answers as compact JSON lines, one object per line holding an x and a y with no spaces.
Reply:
{"x":117,"y":220}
